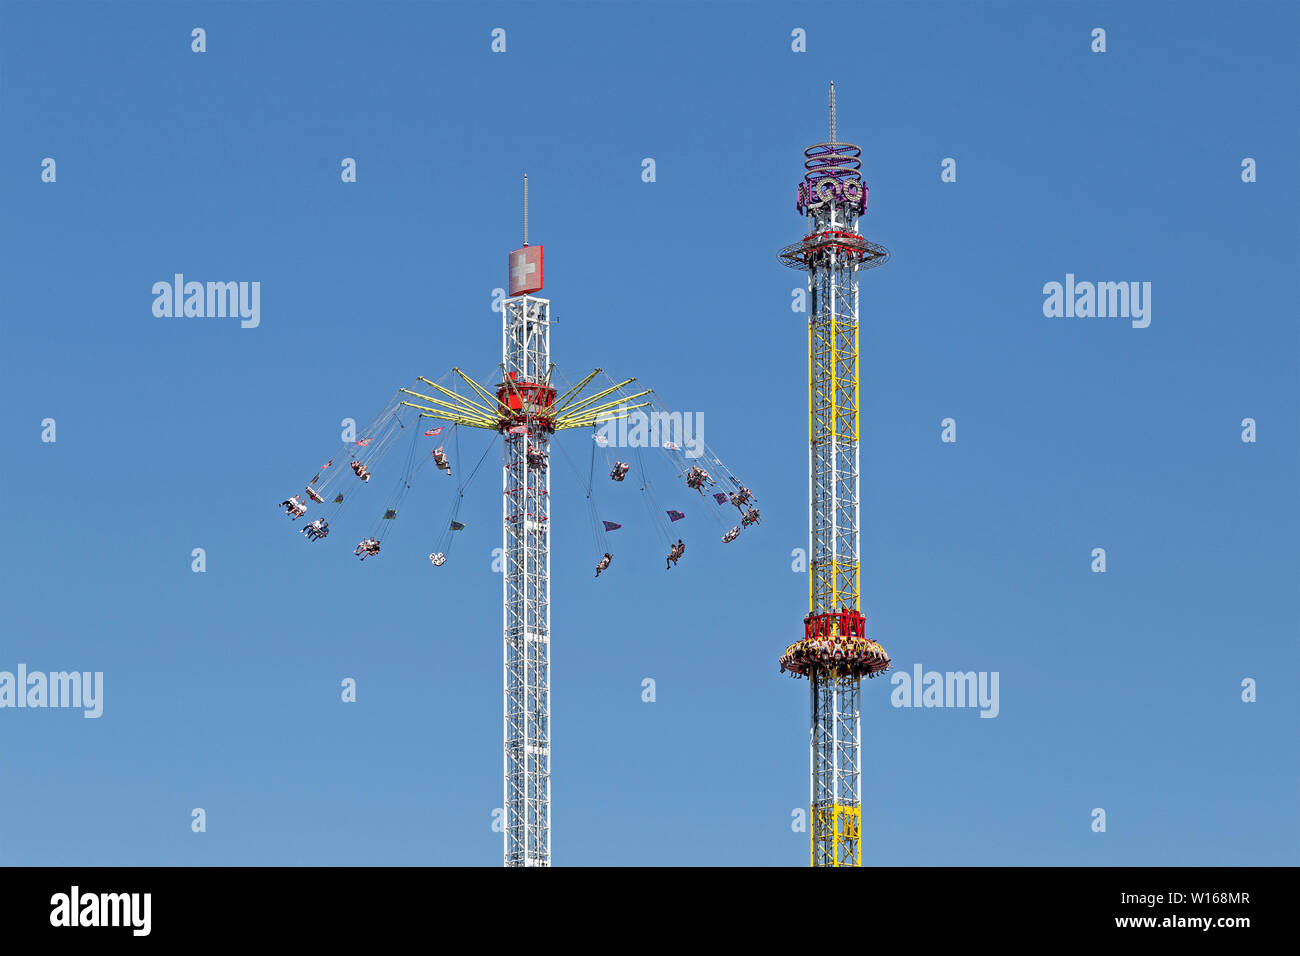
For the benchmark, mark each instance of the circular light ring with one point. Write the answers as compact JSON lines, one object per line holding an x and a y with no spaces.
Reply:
{"x":800,"y":255}
{"x":838,"y":160}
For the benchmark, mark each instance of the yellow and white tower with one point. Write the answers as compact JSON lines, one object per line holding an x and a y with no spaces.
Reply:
{"x":834,"y":652}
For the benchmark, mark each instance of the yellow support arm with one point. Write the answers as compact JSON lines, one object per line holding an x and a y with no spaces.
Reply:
{"x":559,"y":402}
{"x":483,"y":393}
{"x":595,"y":412}
{"x":464,"y":408}
{"x":588,"y":422}
{"x":451,"y":417}
{"x":456,"y":396}
{"x":576,"y":406}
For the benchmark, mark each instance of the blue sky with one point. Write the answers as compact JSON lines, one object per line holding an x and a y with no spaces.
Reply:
{"x":1119,"y":690}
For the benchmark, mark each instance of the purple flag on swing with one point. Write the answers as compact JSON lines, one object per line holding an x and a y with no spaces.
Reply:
{"x":676,"y":515}
{"x":720,"y":497}
{"x":611,"y":525}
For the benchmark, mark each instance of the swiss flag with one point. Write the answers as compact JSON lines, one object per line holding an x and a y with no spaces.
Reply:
{"x":525,"y":267}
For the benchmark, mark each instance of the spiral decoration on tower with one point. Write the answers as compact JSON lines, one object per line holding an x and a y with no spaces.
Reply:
{"x":834,"y":652}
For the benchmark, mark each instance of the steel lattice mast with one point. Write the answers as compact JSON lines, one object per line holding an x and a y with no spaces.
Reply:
{"x":526,"y":534}
{"x":527,"y":410}
{"x":834,"y":652}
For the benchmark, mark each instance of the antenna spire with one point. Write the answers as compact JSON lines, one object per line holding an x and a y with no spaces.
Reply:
{"x":525,"y":209}
{"x":832,"y":139}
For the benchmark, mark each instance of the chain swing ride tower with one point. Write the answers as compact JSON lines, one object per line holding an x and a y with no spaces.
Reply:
{"x":834,"y":652}
{"x":526,"y":396}
{"x":526,"y":409}
{"x":526,"y":406}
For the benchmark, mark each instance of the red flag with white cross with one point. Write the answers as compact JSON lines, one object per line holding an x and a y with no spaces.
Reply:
{"x":526,"y":270}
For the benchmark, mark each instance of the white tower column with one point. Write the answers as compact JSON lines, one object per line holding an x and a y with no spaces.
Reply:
{"x":526,"y":547}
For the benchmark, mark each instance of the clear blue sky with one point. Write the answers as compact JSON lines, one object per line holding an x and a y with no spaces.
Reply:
{"x":1118,"y":690}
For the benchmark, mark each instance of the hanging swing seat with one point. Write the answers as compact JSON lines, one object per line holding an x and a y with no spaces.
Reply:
{"x":697,"y":478}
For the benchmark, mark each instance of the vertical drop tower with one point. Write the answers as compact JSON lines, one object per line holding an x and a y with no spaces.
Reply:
{"x":834,"y":652}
